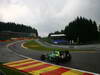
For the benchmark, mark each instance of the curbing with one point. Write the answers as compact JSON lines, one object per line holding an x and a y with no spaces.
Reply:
{"x":36,"y":67}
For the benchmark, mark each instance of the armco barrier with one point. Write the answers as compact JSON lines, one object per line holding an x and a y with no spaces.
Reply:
{"x":35,"y":67}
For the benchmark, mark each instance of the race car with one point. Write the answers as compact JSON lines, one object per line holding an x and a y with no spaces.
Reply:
{"x":57,"y":56}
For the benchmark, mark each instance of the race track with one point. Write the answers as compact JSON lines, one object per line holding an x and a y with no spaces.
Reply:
{"x":88,"y":61}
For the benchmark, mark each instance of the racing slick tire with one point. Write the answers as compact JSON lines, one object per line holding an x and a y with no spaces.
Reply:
{"x":43,"y":57}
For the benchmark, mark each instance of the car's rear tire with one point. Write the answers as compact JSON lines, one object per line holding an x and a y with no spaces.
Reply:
{"x":57,"y":60}
{"x":68,"y":57}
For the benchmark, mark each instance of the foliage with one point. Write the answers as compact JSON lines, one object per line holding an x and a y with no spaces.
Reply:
{"x":81,"y":30}
{"x":16,"y":28}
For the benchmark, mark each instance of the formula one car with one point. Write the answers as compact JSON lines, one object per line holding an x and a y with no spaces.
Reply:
{"x":57,"y":56}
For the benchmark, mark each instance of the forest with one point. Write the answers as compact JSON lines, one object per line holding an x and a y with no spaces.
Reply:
{"x":13,"y":27}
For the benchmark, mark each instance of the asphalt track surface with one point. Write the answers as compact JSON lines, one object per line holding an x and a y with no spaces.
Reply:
{"x":88,"y":61}
{"x":6,"y":55}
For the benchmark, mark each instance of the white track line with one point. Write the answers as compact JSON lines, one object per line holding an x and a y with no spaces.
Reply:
{"x":22,"y":45}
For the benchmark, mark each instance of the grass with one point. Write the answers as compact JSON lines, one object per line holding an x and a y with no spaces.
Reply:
{"x":36,"y":46}
{"x":33,"y":45}
{"x":47,"y":39}
{"x":8,"y":71}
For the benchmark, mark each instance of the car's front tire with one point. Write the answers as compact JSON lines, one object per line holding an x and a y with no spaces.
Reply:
{"x":42,"y":57}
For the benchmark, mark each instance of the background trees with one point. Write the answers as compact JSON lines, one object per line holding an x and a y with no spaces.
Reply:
{"x":17,"y":28}
{"x":81,"y":30}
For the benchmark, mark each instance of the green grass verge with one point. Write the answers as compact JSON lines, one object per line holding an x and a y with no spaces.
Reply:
{"x":33,"y":45}
{"x":47,"y":39}
{"x":36,"y":46}
{"x":8,"y":71}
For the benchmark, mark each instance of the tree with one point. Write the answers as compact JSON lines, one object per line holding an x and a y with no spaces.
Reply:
{"x":82,"y":29}
{"x":17,"y":28}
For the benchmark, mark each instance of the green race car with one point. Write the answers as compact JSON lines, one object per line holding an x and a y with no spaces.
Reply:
{"x":57,"y":56}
